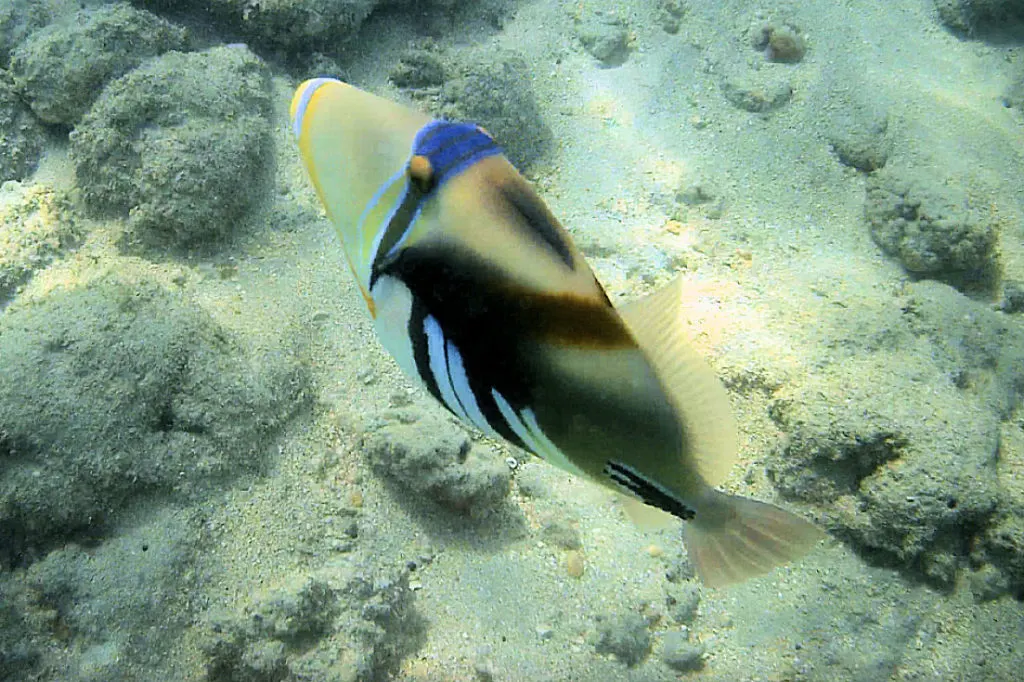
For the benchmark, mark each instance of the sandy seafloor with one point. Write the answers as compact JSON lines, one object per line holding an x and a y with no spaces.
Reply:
{"x":775,"y":283}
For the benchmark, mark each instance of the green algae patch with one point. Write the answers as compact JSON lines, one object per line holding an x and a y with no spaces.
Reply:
{"x":19,"y":19}
{"x":945,"y":229}
{"x":36,"y":225}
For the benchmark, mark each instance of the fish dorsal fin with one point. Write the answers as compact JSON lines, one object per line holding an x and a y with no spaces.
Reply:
{"x":697,"y":395}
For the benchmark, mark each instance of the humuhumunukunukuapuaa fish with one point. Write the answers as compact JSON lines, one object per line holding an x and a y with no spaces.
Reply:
{"x":480,"y":294}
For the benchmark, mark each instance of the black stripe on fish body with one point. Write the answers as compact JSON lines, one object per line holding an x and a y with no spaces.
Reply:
{"x":538,"y":220}
{"x":479,"y":385}
{"x":470,"y":296}
{"x":416,"y":329}
{"x":433,"y":163}
{"x":495,"y":327}
{"x":505,"y":336}
{"x":400,"y":223}
{"x":651,"y":493}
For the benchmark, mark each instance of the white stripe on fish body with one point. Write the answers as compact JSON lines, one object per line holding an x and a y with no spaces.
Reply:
{"x":532,"y":436}
{"x":515,"y":423}
{"x":394,"y":310}
{"x":439,"y":367}
{"x":393,"y":301}
{"x":464,"y":392}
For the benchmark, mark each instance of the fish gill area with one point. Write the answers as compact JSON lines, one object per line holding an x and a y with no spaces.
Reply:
{"x":210,"y":470}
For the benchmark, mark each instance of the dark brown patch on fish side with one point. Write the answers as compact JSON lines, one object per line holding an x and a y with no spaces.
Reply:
{"x":571,"y":321}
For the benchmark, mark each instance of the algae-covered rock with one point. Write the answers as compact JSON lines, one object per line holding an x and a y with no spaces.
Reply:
{"x":899,"y":447}
{"x":671,"y":13}
{"x":758,"y":91}
{"x":1003,"y":546}
{"x":121,"y":390}
{"x":858,"y":135}
{"x":683,"y":603}
{"x":779,"y":42}
{"x":290,"y":25}
{"x":605,"y":37}
{"x":61,"y":68}
{"x":21,"y":136}
{"x":19,"y":18}
{"x":352,"y":623}
{"x":434,"y":461}
{"x":626,"y":637}
{"x":181,"y":145}
{"x":419,"y":67}
{"x":1013,"y":95}
{"x":680,"y":654}
{"x":36,"y":224}
{"x":970,"y":17}
{"x":496,"y":92}
{"x":933,"y":227}
{"x":122,"y":601}
{"x":905,"y":475}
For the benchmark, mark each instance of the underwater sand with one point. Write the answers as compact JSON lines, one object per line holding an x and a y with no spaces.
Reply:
{"x":769,"y":282}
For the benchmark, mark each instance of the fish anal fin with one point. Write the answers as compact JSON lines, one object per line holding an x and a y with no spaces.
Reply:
{"x":697,"y":395}
{"x":645,"y":516}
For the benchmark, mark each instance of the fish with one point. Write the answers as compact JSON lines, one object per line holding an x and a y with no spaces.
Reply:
{"x":482,"y":297}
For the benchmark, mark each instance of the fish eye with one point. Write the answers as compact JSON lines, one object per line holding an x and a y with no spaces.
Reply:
{"x":421,"y":173}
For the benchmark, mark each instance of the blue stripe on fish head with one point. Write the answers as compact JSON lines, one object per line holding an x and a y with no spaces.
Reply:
{"x":450,"y":148}
{"x":302,"y":101}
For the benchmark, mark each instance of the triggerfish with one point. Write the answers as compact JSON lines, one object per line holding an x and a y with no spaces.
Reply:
{"x":479,"y":293}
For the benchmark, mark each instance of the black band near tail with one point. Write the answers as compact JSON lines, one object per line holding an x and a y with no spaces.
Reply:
{"x":651,"y":493}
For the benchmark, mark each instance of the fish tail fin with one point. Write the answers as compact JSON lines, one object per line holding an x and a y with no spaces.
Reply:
{"x":734,"y":538}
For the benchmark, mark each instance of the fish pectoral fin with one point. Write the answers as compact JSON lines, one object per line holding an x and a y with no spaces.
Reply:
{"x":696,"y":393}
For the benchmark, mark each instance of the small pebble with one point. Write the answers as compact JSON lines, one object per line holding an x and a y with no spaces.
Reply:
{"x":574,"y":564}
{"x":654,"y":551}
{"x":782,"y":43}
